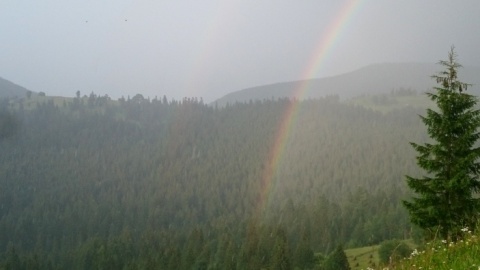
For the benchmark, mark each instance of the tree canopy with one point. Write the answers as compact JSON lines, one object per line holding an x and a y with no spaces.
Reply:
{"x":144,"y":183}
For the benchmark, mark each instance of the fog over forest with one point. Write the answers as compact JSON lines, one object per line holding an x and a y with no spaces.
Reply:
{"x":90,"y":180}
{"x":137,"y":183}
{"x":217,"y":135}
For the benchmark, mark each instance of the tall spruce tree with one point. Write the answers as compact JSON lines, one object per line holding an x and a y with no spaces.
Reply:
{"x":337,"y":260}
{"x":445,"y":200}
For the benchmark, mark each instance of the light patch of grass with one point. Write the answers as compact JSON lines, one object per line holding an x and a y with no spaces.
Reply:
{"x":35,"y":100}
{"x":363,"y":257}
{"x":367,"y":257}
{"x":385,"y":103}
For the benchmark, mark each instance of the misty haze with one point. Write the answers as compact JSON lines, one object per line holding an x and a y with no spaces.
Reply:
{"x":221,"y":134}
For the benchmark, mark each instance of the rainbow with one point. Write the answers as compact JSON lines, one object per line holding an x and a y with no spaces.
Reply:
{"x":325,"y":44}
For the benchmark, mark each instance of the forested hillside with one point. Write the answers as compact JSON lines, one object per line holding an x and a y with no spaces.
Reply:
{"x":92,"y":183}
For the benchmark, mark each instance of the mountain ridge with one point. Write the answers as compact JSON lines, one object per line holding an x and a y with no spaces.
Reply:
{"x":372,"y":79}
{"x":10,"y":89}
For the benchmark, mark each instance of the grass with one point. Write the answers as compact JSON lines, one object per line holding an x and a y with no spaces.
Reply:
{"x":35,"y":100}
{"x":463,"y":254}
{"x":439,"y":254}
{"x":367,"y":257}
{"x":386,"y":103}
{"x":363,"y":257}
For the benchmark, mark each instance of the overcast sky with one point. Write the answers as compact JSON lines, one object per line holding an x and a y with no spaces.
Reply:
{"x":206,"y":48}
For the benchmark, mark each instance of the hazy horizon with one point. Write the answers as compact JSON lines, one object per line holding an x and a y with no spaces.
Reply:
{"x":210,"y":48}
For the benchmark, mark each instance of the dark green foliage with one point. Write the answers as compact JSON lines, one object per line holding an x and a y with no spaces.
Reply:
{"x":445,"y":201}
{"x":391,"y":251}
{"x":280,"y":257}
{"x":337,"y":260}
{"x":9,"y":124}
{"x":141,"y":184}
{"x":194,"y":247}
{"x":303,"y":257}
{"x":12,"y":261}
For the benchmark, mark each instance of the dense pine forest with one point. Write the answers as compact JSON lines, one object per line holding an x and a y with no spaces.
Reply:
{"x":92,"y":183}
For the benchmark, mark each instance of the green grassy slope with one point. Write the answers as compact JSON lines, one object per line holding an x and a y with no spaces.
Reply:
{"x":363,"y":257}
{"x":386,"y":102}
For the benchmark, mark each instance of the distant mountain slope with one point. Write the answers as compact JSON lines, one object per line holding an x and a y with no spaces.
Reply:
{"x":9,"y":89}
{"x":372,"y":79}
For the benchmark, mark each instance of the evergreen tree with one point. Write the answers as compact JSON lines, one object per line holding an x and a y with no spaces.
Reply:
{"x":337,"y":260}
{"x":304,"y":258}
{"x":280,"y":258}
{"x":8,"y":124}
{"x":391,"y":251}
{"x":445,"y":201}
{"x":12,"y":261}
